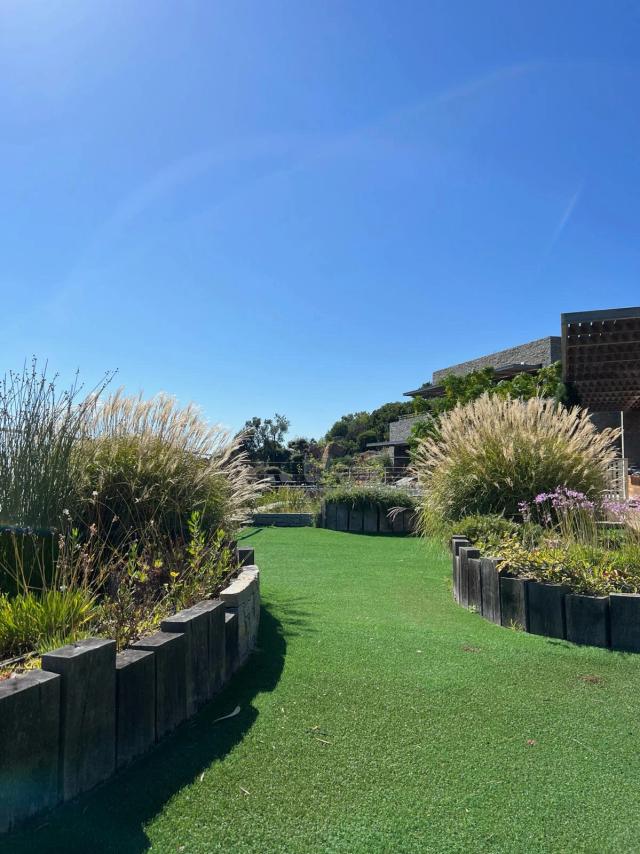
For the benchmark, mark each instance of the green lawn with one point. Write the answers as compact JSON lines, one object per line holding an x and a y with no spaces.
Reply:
{"x":377,"y":716}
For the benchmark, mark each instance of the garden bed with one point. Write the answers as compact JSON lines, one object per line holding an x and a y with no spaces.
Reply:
{"x":365,"y":519}
{"x":547,"y":609}
{"x":88,"y":711}
{"x":369,"y":509}
{"x":283,"y":520}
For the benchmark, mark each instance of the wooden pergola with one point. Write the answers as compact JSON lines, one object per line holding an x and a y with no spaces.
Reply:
{"x":601,"y":358}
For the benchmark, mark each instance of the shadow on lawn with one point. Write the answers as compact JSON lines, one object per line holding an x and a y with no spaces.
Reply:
{"x":250,"y":534}
{"x":112,"y":817}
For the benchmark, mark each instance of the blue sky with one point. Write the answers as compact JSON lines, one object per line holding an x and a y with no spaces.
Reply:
{"x":306,"y":207}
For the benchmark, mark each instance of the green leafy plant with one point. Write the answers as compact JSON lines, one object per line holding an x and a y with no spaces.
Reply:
{"x":484,"y":528}
{"x":36,"y":622}
{"x":384,"y":497}
{"x":289,"y":499}
{"x":148,"y":581}
{"x":144,"y":494}
{"x":592,"y":570}
{"x":39,"y":428}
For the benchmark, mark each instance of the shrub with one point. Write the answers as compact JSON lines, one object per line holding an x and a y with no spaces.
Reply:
{"x":145,"y":582}
{"x":592,"y":570}
{"x":484,"y":528}
{"x":140,"y":491}
{"x":27,"y":558}
{"x":378,"y":495}
{"x":492,"y":454}
{"x":289,"y":499}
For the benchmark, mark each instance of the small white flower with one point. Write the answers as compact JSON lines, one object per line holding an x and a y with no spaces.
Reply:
{"x":65,"y":512}
{"x":95,"y":493}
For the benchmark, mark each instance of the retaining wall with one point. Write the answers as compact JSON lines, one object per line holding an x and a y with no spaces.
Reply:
{"x":283,"y":520}
{"x":370,"y":519}
{"x":89,"y":711}
{"x":551,"y":610}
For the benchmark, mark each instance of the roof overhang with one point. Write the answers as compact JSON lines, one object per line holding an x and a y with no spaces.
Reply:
{"x":386,"y":444}
{"x":507,"y":372}
{"x":601,"y":358}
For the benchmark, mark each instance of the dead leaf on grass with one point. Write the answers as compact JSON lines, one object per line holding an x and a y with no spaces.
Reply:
{"x":591,"y":679}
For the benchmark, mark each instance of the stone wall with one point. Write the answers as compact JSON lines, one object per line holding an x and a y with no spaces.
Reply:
{"x":543,"y":351}
{"x":89,"y":711}
{"x":399,"y":431}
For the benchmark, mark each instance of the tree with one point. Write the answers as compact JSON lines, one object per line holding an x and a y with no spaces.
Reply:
{"x":264,"y":439}
{"x":365,"y":438}
{"x":350,"y":428}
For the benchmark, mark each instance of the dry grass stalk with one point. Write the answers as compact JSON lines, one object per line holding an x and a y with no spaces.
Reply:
{"x":493,"y":453}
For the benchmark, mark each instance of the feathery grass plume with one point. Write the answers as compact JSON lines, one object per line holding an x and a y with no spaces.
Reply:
{"x":150,"y":462}
{"x":492,"y":454}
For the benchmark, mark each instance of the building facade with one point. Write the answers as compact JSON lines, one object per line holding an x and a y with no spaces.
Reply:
{"x":600,"y":355}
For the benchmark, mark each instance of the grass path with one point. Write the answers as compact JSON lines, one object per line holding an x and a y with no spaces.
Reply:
{"x":380,"y":717}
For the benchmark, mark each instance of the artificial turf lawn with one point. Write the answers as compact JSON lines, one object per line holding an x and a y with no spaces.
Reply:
{"x":378,"y":716}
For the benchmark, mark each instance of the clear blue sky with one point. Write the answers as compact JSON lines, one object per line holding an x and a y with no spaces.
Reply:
{"x":306,"y":207}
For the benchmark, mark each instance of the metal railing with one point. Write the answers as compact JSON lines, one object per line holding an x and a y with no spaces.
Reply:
{"x":354,"y":474}
{"x":618,"y":473}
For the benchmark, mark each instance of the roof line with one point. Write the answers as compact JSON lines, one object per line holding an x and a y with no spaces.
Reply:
{"x":602,"y":314}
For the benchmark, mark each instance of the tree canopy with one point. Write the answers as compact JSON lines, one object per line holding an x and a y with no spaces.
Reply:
{"x":546,"y":383}
{"x":357,"y":429}
{"x":264,"y":438}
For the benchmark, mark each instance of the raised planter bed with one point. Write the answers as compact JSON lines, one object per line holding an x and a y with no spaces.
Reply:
{"x":466,"y":554}
{"x":368,"y":519}
{"x":546,"y":609}
{"x":474,"y":580}
{"x":490,"y":590}
{"x":514,"y":610}
{"x":283,"y":520}
{"x":30,"y":745}
{"x":587,"y":619}
{"x":550,"y":610}
{"x":625,"y":621}
{"x":88,"y":711}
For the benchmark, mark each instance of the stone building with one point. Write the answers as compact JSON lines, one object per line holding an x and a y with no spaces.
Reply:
{"x":600,"y":355}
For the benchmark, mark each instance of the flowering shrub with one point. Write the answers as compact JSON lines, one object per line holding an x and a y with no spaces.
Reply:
{"x":569,"y":511}
{"x":575,"y":517}
{"x":626,"y":512}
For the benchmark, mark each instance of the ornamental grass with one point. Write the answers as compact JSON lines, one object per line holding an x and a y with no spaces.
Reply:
{"x":492,"y":454}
